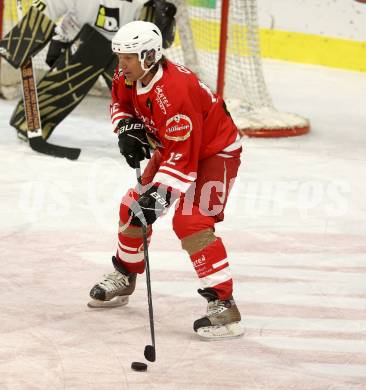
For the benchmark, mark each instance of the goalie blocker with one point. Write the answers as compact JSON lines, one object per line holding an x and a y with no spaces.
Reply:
{"x":27,"y":38}
{"x":69,"y":80}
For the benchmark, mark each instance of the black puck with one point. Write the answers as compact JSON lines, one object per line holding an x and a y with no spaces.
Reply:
{"x":137,"y":366}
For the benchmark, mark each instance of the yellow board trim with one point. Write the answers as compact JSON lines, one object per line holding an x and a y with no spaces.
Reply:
{"x":285,"y":45}
{"x":313,"y":49}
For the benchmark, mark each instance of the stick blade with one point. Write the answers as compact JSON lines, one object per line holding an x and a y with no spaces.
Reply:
{"x":149,"y":353}
{"x":40,"y":145}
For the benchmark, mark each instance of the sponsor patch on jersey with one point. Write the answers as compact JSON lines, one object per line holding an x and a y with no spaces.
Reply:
{"x":108,"y":19}
{"x":161,"y":99}
{"x":178,"y":127}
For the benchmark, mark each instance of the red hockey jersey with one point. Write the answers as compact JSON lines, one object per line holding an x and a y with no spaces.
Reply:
{"x":185,"y":120}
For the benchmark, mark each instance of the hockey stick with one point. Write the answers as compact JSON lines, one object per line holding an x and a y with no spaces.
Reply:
{"x":149,"y":352}
{"x":31,"y":110}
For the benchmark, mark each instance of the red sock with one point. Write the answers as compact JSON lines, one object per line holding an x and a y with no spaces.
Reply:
{"x":212,"y":267}
{"x":130,"y":253}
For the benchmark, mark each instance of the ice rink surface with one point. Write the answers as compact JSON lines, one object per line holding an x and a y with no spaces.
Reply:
{"x":295,"y":231}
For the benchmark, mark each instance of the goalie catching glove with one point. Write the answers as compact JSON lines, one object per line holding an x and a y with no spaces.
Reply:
{"x":132,"y":141}
{"x":152,"y":204}
{"x":162,"y":13}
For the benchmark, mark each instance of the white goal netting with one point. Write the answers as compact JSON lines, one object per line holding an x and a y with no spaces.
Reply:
{"x":245,"y":90}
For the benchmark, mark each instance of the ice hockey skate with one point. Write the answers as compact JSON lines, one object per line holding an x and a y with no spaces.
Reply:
{"x":222,"y":320}
{"x":114,"y":290}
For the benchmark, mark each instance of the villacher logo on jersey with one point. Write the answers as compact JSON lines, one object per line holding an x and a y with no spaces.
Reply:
{"x":178,"y":128}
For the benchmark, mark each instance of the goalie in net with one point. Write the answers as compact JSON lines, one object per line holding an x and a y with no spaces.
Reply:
{"x":79,"y":49}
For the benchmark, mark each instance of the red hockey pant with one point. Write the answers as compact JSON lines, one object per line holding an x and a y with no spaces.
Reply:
{"x":194,"y":220}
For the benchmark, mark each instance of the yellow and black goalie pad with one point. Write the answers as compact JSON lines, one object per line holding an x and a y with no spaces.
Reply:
{"x":27,"y":38}
{"x":69,"y":80}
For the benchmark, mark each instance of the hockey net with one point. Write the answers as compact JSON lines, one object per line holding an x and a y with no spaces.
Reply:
{"x":231,"y":67}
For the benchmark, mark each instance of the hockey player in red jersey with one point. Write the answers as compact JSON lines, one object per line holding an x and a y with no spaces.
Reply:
{"x":196,"y":159}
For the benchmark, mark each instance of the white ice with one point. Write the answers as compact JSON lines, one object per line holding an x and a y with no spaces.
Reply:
{"x":295,"y":231}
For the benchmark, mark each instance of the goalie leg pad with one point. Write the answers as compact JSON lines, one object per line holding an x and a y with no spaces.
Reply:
{"x":27,"y":38}
{"x":65,"y":85}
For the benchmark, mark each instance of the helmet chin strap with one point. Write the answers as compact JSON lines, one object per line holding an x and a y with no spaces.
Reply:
{"x":146,"y":70}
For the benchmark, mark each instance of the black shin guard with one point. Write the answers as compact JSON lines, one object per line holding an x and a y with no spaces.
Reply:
{"x":27,"y":38}
{"x":65,"y":85}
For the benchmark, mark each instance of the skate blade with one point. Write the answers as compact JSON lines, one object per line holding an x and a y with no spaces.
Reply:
{"x":115,"y":302}
{"x":220,"y":332}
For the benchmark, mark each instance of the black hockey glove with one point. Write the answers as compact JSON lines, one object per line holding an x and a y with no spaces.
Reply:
{"x":55,"y":50}
{"x":132,"y":141}
{"x":152,"y":204}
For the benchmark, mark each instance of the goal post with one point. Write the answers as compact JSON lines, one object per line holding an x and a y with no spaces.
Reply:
{"x":222,"y":48}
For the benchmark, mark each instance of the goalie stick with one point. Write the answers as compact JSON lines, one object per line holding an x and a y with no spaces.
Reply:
{"x":31,"y":109}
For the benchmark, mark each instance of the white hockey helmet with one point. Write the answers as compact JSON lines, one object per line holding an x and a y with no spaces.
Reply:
{"x":141,"y":38}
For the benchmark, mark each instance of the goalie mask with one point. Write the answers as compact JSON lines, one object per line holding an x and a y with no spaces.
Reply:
{"x":141,"y":38}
